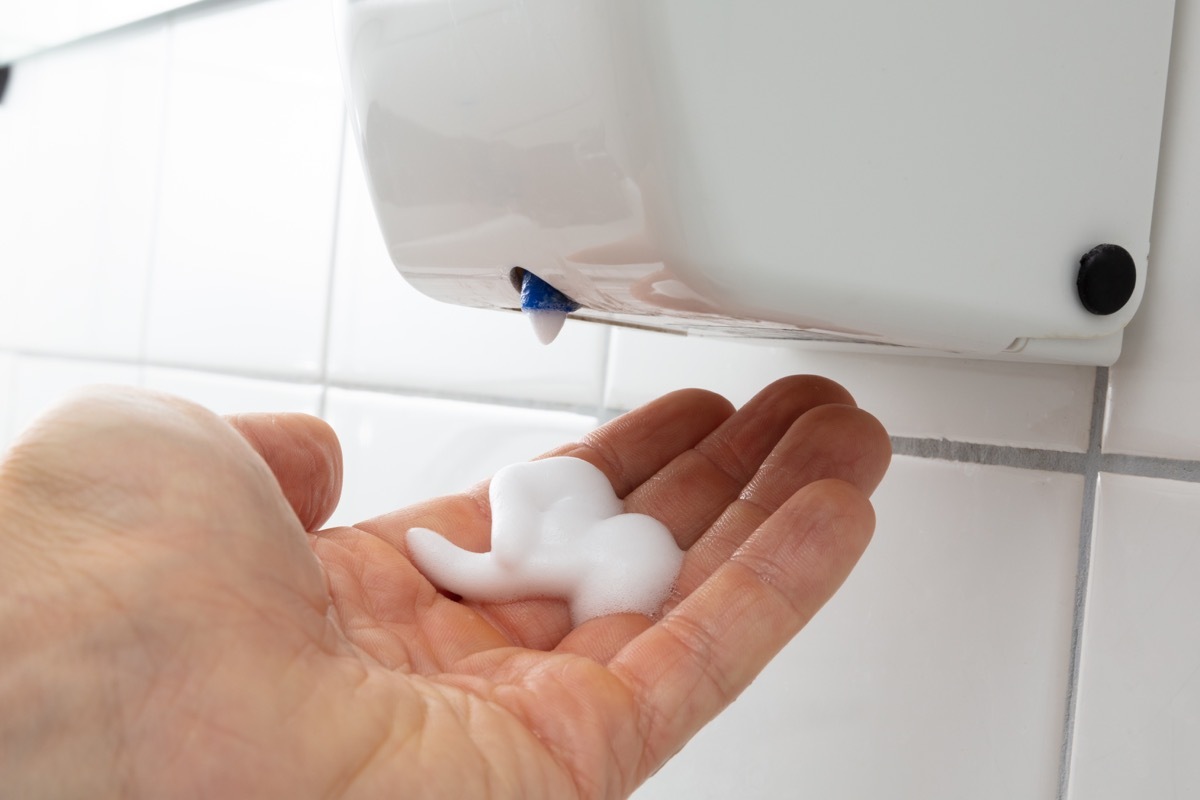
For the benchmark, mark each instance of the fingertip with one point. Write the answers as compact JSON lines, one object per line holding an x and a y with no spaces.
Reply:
{"x":816,"y":390}
{"x":703,"y":410}
{"x":702,"y":401}
{"x":634,"y":446}
{"x":849,"y":436}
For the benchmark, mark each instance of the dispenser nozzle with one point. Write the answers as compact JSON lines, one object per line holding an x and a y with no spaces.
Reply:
{"x":545,"y":306}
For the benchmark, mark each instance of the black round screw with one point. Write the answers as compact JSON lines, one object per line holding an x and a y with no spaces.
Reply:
{"x":1107,"y":276}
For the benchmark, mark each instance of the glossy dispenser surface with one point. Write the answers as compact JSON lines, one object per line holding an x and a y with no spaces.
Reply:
{"x":927,"y":176}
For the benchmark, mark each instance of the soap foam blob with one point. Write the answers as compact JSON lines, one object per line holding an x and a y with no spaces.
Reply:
{"x":546,"y":323}
{"x":558,"y":530}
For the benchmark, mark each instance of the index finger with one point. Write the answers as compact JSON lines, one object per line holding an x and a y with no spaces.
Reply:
{"x":629,"y":450}
{"x":632,"y":448}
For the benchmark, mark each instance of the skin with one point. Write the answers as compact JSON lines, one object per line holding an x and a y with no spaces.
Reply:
{"x":173,"y":624}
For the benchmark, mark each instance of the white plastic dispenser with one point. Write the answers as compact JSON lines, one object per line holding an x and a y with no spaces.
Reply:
{"x":921,"y":176}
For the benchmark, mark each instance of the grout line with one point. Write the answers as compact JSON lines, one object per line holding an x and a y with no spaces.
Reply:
{"x":1090,"y":463}
{"x":583,"y":409}
{"x":90,"y":358}
{"x":156,"y":225}
{"x":990,"y":454}
{"x":1151,"y":467}
{"x":1046,"y":460}
{"x":334,"y":239}
{"x":1087,"y":519}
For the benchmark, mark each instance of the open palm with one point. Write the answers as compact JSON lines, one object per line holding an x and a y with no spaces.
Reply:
{"x":162,"y":587}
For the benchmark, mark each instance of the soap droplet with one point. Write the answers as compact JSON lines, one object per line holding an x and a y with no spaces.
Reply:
{"x":546,"y":323}
{"x":546,"y":307}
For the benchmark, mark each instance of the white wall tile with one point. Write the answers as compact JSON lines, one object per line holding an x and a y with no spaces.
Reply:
{"x":386,"y":333}
{"x":401,"y":450}
{"x":80,"y":145}
{"x":940,"y":669}
{"x":249,"y":189}
{"x":209,"y":146}
{"x":39,"y":383}
{"x":1025,"y":405}
{"x":226,"y":394}
{"x":7,"y":405}
{"x":1155,"y":387}
{"x":1137,"y":720}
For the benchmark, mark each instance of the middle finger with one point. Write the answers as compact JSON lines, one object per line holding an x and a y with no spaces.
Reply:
{"x":693,"y":490}
{"x":833,"y":441}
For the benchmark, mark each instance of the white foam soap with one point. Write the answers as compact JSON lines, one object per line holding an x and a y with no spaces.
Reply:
{"x":558,"y":530}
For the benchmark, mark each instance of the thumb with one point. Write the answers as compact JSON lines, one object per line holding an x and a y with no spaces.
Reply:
{"x":304,"y":454}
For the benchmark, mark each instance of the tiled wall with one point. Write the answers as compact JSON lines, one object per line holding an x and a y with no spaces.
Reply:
{"x":180,"y":209}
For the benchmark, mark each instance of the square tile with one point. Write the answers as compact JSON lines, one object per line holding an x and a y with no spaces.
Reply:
{"x":401,"y":450}
{"x":386,"y":333}
{"x":80,"y":149}
{"x":249,"y":185}
{"x":7,"y":405}
{"x":1137,"y":719}
{"x":18,"y":130}
{"x":938,"y":672}
{"x":992,"y":402}
{"x":228,"y":394}
{"x":1155,"y":387}
{"x":39,"y":384}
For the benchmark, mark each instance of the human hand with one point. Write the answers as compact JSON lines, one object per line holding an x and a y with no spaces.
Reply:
{"x":171,"y":627}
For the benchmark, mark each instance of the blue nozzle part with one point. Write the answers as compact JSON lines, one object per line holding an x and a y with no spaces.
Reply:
{"x":537,"y":295}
